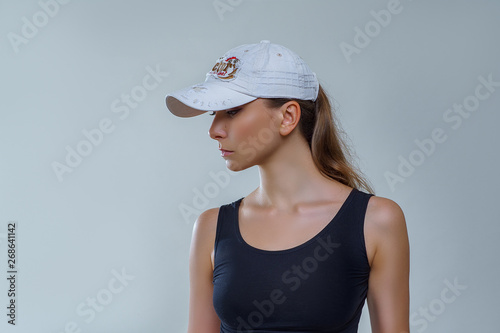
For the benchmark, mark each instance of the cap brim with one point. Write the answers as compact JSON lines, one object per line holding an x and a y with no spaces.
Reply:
{"x":203,"y":97}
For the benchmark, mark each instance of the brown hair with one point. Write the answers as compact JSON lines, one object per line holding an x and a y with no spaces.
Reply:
{"x":331,"y":155}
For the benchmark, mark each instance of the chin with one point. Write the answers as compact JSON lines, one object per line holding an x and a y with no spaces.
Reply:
{"x":236,"y":166}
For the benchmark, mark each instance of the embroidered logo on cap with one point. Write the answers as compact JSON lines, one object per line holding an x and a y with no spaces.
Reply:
{"x":226,"y":68}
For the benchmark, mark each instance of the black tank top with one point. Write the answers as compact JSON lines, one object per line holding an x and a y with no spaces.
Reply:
{"x":318,"y":286}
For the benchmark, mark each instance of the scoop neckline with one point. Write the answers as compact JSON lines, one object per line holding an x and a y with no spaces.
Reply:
{"x":343,"y":207}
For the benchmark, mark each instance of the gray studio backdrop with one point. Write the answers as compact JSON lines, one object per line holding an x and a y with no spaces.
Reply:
{"x":100,"y":185}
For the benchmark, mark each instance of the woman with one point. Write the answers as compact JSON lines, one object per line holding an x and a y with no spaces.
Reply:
{"x":303,"y":251}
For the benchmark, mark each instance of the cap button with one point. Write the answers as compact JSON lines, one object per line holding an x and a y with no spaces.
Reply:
{"x":265,"y":41}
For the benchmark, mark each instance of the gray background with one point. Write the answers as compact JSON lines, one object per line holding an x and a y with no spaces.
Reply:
{"x":120,"y":207}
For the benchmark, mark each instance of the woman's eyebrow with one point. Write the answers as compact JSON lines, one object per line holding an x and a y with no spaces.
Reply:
{"x":235,"y":108}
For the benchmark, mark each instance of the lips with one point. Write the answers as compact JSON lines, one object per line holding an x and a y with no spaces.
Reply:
{"x":224,"y":152}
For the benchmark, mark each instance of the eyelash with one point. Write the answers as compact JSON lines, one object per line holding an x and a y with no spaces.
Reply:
{"x":230,"y":113}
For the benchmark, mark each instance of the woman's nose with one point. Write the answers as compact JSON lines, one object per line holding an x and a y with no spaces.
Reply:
{"x":217,"y":130}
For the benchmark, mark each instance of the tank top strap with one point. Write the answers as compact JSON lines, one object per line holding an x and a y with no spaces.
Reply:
{"x":226,"y":224}
{"x":360,"y":203}
{"x":350,"y":228}
{"x":358,"y":211}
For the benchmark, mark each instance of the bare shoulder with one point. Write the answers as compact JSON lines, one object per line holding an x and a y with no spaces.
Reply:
{"x":384,"y":214}
{"x":203,"y":236}
{"x":206,"y":221}
{"x":385,"y":226}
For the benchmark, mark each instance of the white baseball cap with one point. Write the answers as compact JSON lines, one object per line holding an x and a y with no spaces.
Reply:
{"x":243,"y":74}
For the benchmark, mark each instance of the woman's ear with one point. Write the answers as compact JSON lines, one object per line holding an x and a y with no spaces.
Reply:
{"x":291,"y":116}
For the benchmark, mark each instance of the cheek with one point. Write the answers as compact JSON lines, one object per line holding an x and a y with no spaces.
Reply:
{"x":255,"y":126}
{"x":246,"y":127}
{"x":255,"y":134}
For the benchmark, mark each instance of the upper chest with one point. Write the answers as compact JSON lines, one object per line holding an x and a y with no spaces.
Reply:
{"x":272,"y":230}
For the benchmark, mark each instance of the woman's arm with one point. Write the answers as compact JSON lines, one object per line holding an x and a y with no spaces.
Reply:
{"x":388,"y":287}
{"x":202,"y":316}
